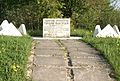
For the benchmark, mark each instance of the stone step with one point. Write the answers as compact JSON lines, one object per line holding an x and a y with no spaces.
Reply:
{"x":49,"y":61}
{"x":84,"y":53}
{"x":49,"y":52}
{"x":48,"y":48}
{"x":91,"y":75}
{"x":79,"y":62}
{"x":49,"y":74}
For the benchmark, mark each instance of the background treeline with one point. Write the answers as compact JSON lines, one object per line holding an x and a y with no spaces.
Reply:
{"x":83,"y":13}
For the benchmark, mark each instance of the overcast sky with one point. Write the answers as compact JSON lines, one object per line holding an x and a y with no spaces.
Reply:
{"x":117,"y":3}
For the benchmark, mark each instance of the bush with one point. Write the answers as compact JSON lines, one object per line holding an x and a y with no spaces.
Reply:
{"x":29,"y":12}
{"x":35,"y":33}
{"x":81,"y":32}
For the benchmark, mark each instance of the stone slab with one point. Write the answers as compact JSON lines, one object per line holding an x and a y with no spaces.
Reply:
{"x":91,"y":75}
{"x":48,"y":74}
{"x":56,"y":27}
{"x":88,"y":49}
{"x":70,"y":41}
{"x":48,"y":48}
{"x":79,"y":47}
{"x":75,"y":43}
{"x":49,"y":61}
{"x":49,"y":52}
{"x":47,"y":43}
{"x":88,"y":61}
{"x":76,"y":49}
{"x":78,"y":54}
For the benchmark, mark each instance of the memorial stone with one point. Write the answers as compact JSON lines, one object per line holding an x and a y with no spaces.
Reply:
{"x":4,"y":24}
{"x":22,"y":29}
{"x":115,"y":27}
{"x":1,"y":28}
{"x":56,"y":28}
{"x":108,"y":31}
{"x":9,"y":29}
{"x":97,"y":30}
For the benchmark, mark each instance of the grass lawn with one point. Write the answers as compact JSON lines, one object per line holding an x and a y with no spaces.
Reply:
{"x":109,"y":47}
{"x":13,"y":57}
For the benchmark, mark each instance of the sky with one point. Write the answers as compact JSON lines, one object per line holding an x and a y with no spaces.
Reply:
{"x":116,"y":3}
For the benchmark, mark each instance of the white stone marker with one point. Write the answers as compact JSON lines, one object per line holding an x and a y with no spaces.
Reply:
{"x":1,"y":28}
{"x":22,"y":29}
{"x":108,"y":31}
{"x":4,"y":24}
{"x":9,"y":29}
{"x":115,"y":27}
{"x":97,"y":30}
{"x":56,"y":27}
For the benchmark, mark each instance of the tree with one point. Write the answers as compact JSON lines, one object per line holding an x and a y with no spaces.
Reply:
{"x":86,"y":13}
{"x":83,"y":13}
{"x":30,"y":12}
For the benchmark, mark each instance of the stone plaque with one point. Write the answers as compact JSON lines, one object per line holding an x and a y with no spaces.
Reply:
{"x":56,"y":28}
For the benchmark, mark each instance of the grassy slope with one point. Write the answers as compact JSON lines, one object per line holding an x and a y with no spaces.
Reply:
{"x":13,"y":57}
{"x":109,"y":47}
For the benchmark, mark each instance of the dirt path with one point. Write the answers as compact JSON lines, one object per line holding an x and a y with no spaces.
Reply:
{"x":68,"y":60}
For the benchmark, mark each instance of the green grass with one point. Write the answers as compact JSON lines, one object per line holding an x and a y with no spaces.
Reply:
{"x":81,"y":32}
{"x":109,"y":47}
{"x":13,"y":57}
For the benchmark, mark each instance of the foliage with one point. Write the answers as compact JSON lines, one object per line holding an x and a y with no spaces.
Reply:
{"x":92,"y":13}
{"x":35,"y":33}
{"x":88,"y":13}
{"x":30,"y":12}
{"x":112,"y":18}
{"x":109,"y":47}
{"x":13,"y":58}
{"x":83,"y":13}
{"x":81,"y":32}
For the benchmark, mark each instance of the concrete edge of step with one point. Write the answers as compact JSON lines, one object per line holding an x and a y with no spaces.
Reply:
{"x":42,"y":38}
